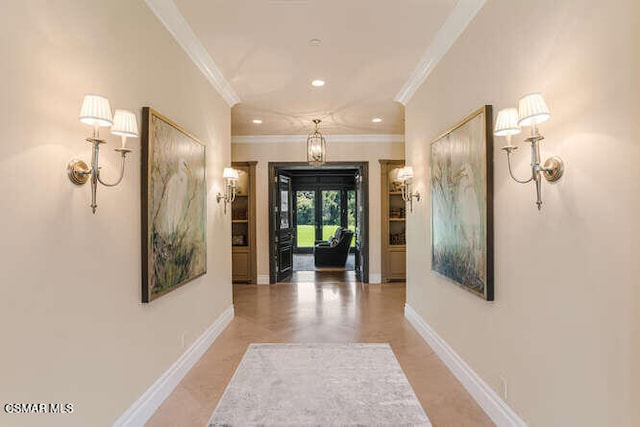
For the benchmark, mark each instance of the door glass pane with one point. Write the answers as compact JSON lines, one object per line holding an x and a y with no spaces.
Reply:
{"x":284,"y":208}
{"x":330,"y":212}
{"x":352,"y":214}
{"x":306,"y":215}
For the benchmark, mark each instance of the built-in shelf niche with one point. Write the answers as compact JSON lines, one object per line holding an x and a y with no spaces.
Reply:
{"x":243,"y":227}
{"x":393,"y":222}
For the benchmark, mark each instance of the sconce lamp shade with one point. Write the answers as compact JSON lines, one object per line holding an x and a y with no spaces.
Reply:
{"x":405,"y":173}
{"x":125,"y":124}
{"x":507,"y":122}
{"x":230,"y":173}
{"x":532,"y":110}
{"x":96,"y":111}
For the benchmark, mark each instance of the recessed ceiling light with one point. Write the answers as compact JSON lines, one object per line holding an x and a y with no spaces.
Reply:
{"x":376,"y":120}
{"x":256,"y":121}
{"x":317,"y":83}
{"x":315,"y":42}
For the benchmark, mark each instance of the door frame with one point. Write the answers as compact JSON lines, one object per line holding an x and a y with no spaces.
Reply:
{"x":363,"y":171}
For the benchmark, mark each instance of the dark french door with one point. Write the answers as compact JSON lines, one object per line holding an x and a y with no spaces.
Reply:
{"x":284,"y":238}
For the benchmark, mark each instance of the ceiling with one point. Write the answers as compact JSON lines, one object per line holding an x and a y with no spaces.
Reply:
{"x":368,"y":50}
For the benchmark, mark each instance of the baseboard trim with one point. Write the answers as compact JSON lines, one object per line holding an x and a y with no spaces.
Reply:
{"x":263,"y":279}
{"x":375,"y":279}
{"x":143,"y":408}
{"x":496,"y":408}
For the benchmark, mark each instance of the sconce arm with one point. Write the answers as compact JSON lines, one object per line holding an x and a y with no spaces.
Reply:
{"x":511,"y":172}
{"x":403,"y":190}
{"x":231,"y":191}
{"x":408,"y":195}
{"x":123,"y":152}
{"x":229,"y":195}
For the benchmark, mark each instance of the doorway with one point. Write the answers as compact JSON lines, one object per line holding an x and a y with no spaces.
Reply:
{"x":314,"y":203}
{"x":320,"y":209}
{"x":319,"y":212}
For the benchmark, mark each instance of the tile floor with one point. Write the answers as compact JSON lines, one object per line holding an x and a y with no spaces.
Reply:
{"x":320,"y":307}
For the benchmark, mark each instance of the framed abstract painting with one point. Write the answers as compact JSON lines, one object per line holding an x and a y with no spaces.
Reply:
{"x":462,"y":204}
{"x":174,"y":249}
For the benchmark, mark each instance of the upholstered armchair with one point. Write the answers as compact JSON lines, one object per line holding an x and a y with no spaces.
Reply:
{"x":334,"y":252}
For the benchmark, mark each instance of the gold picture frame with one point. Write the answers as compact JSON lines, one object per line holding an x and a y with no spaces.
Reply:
{"x":173,"y":199}
{"x":462,"y":204}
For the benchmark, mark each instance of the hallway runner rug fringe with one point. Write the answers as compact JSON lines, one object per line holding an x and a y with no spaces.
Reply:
{"x":319,"y":385}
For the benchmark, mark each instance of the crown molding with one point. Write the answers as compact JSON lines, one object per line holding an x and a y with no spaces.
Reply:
{"x":461,"y":16}
{"x":167,"y":13}
{"x":340,"y":138}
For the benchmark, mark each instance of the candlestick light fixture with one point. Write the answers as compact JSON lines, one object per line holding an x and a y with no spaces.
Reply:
{"x":230,"y":177}
{"x":405,"y":177}
{"x":316,"y":147}
{"x":532,"y":110}
{"x":96,"y":112}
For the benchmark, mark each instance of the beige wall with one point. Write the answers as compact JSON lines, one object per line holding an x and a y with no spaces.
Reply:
{"x":563,"y":330}
{"x":296,"y":152}
{"x":74,"y":329}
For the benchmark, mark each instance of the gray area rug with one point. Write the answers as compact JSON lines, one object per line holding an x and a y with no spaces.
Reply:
{"x":319,"y":385}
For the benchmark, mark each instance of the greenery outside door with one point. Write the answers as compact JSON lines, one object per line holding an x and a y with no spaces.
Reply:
{"x":320,"y":212}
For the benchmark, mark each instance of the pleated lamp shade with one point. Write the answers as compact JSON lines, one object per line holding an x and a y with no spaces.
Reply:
{"x":405,"y":173}
{"x":507,"y":122}
{"x":230,"y":173}
{"x":532,"y":110}
{"x":96,"y":111}
{"x":125,"y":124}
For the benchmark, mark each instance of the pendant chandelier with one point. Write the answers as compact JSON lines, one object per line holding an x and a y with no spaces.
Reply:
{"x":316,"y":147}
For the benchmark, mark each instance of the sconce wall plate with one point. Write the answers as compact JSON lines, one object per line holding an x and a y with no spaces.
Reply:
{"x":78,"y":171}
{"x":553,"y":169}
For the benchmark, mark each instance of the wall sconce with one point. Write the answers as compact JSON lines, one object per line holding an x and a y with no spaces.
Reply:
{"x":96,"y":112}
{"x":532,"y":110}
{"x":230,"y":176}
{"x":405,"y":176}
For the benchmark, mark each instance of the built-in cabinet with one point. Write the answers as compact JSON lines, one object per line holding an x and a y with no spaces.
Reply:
{"x":393,"y":227}
{"x":243,"y":225}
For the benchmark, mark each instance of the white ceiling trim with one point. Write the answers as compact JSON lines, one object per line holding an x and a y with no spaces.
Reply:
{"x":462,"y":14}
{"x":167,"y":12}
{"x":342,"y":139}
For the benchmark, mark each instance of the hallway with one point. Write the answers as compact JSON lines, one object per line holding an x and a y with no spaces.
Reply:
{"x":320,"y":307}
